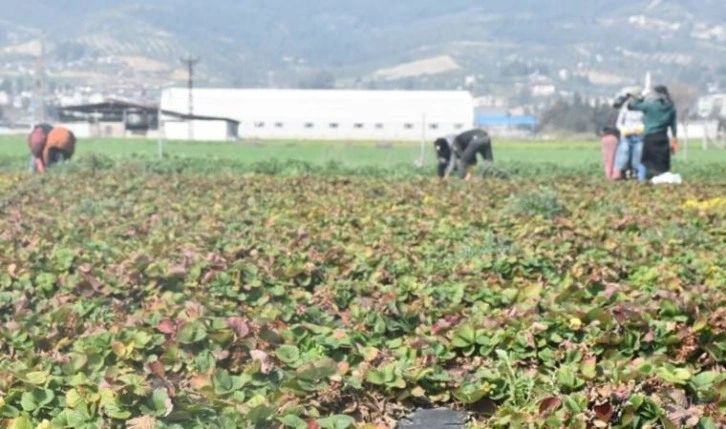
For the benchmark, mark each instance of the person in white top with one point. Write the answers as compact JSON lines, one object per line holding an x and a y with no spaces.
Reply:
{"x":631,"y":127}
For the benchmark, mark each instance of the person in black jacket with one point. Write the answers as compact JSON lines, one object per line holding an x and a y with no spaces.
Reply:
{"x":460,"y":152}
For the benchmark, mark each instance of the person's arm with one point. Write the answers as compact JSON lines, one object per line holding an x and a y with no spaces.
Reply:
{"x":452,"y":159}
{"x":39,"y":164}
{"x":674,"y":130}
{"x":620,"y":121}
{"x":638,"y":104}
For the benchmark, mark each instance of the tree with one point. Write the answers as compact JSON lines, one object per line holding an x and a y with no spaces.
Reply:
{"x":684,"y":96}
{"x":575,"y":116}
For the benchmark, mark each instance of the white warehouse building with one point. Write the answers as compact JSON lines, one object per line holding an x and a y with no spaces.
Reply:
{"x":373,"y":115}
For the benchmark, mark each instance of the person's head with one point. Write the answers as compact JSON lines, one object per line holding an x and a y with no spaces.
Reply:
{"x":443,"y":155}
{"x":625,"y":94}
{"x":662,"y":92}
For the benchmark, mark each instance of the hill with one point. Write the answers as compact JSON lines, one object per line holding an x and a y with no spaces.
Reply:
{"x":377,"y":42}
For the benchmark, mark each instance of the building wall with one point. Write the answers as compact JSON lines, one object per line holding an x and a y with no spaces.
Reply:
{"x":82,"y":130}
{"x":332,"y":114}
{"x":203,"y":130}
{"x":703,"y":129}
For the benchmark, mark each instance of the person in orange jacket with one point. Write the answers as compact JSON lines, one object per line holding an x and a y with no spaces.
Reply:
{"x":50,"y":145}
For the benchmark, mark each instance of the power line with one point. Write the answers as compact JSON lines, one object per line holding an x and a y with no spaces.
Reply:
{"x":190,"y":62}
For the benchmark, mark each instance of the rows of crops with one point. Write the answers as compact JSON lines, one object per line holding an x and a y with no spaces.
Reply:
{"x":139,"y":298}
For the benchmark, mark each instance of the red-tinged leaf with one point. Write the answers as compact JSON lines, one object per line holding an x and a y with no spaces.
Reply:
{"x":157,"y":368}
{"x":221,"y":354}
{"x":345,"y":317}
{"x":548,"y":405}
{"x":343,"y":368}
{"x":143,"y":422}
{"x":312,"y":424}
{"x":200,"y":382}
{"x":208,"y":277}
{"x":166,"y":327}
{"x":693,"y":421}
{"x":604,"y":412}
{"x":95,"y":284}
{"x":588,"y":367}
{"x":239,"y":326}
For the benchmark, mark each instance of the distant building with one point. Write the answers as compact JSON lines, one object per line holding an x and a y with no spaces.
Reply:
{"x":712,"y":104}
{"x":372,"y":115}
{"x":503,"y":124}
{"x":543,"y":90}
{"x":122,"y":119}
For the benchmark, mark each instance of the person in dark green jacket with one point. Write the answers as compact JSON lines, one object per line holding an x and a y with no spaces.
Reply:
{"x":659,"y":115}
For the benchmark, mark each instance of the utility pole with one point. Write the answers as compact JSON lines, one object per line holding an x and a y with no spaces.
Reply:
{"x":190,"y":62}
{"x":39,"y":87}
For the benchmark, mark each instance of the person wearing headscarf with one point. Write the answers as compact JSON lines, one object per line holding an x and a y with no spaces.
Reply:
{"x":659,"y":116}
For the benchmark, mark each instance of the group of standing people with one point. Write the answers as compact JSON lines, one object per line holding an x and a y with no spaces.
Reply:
{"x":636,"y":143}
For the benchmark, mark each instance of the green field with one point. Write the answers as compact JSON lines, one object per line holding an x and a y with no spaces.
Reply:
{"x":584,"y":156}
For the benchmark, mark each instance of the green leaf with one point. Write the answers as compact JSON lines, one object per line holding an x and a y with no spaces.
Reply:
{"x":73,"y":398}
{"x":288,"y":354}
{"x":572,"y":405}
{"x":115,"y":411}
{"x":530,"y":292}
{"x":707,"y":423}
{"x":646,"y":369}
{"x":27,"y":401}
{"x":192,"y":332}
{"x":293,"y":421}
{"x":260,"y":414}
{"x":376,"y":377}
{"x":464,"y":337}
{"x":22,"y":422}
{"x":470,"y":394}
{"x":704,"y":380}
{"x":588,"y":368}
{"x":224,"y":383}
{"x":37,"y":377}
{"x":70,"y":419}
{"x":337,"y":422}
{"x":161,"y":403}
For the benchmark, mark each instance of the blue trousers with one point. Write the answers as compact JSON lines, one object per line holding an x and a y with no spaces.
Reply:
{"x":629,"y":154}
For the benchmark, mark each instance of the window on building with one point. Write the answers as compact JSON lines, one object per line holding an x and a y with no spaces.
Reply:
{"x":379,"y":126}
{"x":333,"y":125}
{"x":259,"y":125}
{"x":278,"y":125}
{"x":408,"y":126}
{"x":309,"y":125}
{"x":434,"y":126}
{"x":358,"y":125}
{"x":459,"y":126}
